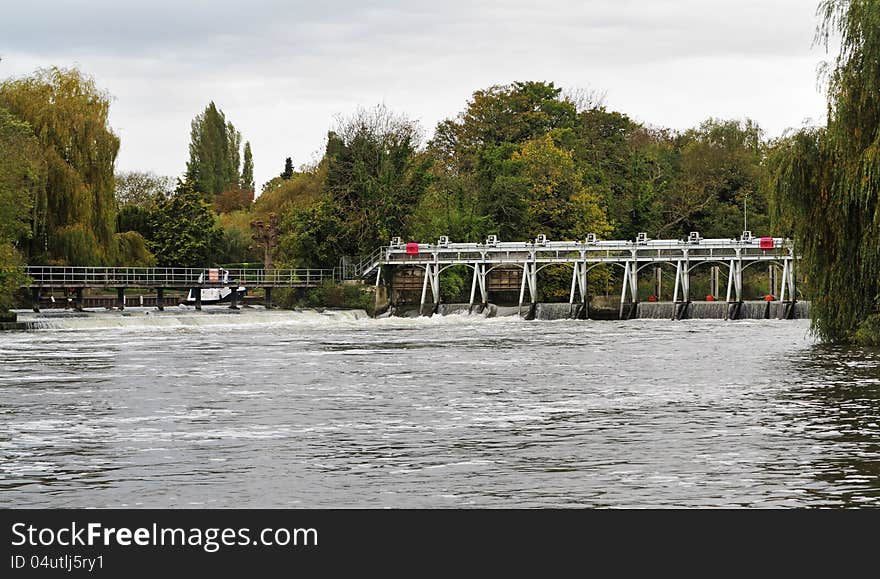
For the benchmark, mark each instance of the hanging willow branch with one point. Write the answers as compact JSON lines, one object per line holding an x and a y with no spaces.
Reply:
{"x":826,"y":181}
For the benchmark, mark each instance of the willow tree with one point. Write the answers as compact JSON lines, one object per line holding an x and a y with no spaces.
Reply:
{"x":826,"y":181}
{"x":69,"y":117}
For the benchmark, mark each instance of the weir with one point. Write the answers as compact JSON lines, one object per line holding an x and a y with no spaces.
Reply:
{"x":502,"y":269}
{"x":417,"y":265}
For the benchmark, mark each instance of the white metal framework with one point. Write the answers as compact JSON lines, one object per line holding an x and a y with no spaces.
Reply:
{"x":633,"y":256}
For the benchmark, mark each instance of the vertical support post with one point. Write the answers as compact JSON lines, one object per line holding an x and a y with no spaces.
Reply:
{"x":585,"y":292}
{"x":484,"y":294}
{"x":658,"y":282}
{"x":574,"y":281}
{"x":268,"y":300}
{"x":160,"y":299}
{"x":435,"y":287}
{"x":78,"y":300}
{"x":791,"y":285}
{"x":533,"y":282}
{"x":198,"y":292}
{"x":623,"y":288}
{"x":730,"y":270}
{"x":233,"y":299}
{"x":686,"y":281}
{"x":677,"y":281}
{"x":784,"y":283}
{"x":522,"y":287}
{"x":120,"y":298}
{"x":634,"y":288}
{"x":35,"y":298}
{"x":771,"y":275}
{"x":474,"y":286}
{"x":738,"y":280}
{"x":714,"y":275}
{"x":424,"y":289}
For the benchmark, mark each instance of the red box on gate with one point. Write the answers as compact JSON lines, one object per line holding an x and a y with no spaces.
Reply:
{"x":766,"y":243}
{"x":412,"y":248}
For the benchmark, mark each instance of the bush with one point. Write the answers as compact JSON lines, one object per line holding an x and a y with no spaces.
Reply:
{"x":868,"y":332}
{"x":331,"y":295}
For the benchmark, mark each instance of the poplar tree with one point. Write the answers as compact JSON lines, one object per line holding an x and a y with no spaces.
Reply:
{"x":826,"y":181}
{"x":288,"y":169}
{"x":247,"y":169}
{"x":214,"y":157}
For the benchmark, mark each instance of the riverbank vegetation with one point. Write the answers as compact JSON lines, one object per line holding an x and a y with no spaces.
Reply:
{"x":826,"y":181}
{"x":517,"y":160}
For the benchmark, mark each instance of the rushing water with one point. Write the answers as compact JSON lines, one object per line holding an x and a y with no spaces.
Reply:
{"x":286,"y":409}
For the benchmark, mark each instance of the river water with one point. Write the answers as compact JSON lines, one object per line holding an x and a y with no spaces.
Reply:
{"x":303,"y":409}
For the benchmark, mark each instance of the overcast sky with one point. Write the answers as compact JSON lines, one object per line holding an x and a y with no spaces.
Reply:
{"x":283,"y":70}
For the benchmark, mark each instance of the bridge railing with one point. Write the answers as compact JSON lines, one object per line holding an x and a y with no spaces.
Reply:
{"x":60,"y":276}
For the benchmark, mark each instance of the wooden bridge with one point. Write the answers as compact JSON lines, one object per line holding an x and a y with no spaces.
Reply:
{"x":634,"y":257}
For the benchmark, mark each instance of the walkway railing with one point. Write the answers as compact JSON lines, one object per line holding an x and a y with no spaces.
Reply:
{"x":174,"y":277}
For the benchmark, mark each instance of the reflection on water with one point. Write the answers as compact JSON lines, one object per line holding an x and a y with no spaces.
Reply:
{"x":287,"y":409}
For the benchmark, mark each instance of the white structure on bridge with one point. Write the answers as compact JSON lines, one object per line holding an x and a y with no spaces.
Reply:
{"x":632,"y":256}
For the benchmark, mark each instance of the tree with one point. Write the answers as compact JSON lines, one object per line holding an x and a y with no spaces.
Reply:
{"x":481,"y":141}
{"x":69,"y":116}
{"x":288,"y":169}
{"x":826,"y":182}
{"x":185,"y":232}
{"x":719,"y":166}
{"x":375,"y":177}
{"x":266,"y":236}
{"x":213,"y":152}
{"x":22,"y":181}
{"x":22,"y":187}
{"x":247,"y":170}
{"x":141,"y":188}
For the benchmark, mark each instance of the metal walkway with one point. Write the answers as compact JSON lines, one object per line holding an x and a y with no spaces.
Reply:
{"x":173,"y":277}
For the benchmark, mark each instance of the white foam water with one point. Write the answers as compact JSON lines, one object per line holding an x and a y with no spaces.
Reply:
{"x":181,"y":317}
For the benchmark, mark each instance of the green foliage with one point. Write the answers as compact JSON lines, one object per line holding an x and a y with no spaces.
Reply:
{"x":134,"y":218}
{"x":69,"y":116}
{"x":826,"y":182}
{"x":312,"y":235}
{"x":247,"y":170}
{"x":132,"y":250}
{"x":22,"y":179}
{"x":214,"y":157}
{"x":375,"y":177}
{"x":11,"y":275}
{"x":340,"y":296}
{"x":447,"y":208}
{"x":288,"y":169}
{"x":78,"y":244}
{"x":185,"y":231}
{"x":141,"y":188}
{"x":868,"y":331}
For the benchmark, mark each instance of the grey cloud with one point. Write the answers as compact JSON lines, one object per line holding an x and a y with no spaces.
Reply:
{"x":281,"y":70}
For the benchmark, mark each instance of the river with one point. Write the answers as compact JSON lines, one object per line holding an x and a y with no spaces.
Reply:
{"x":304,"y":409}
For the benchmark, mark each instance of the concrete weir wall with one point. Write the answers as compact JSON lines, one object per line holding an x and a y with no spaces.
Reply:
{"x":751,"y":310}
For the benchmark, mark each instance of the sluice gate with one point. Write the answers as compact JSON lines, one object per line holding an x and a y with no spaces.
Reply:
{"x":497,"y":266}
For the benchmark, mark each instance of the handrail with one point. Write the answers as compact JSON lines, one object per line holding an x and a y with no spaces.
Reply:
{"x":175,"y":277}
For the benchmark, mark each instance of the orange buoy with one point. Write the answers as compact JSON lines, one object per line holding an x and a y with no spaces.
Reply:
{"x":710,"y":298}
{"x":651,"y":298}
{"x":769,"y":298}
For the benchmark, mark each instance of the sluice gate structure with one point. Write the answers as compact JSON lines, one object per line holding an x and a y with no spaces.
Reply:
{"x":426,"y":262}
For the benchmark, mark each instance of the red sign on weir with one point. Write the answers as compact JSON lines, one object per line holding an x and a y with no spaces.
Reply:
{"x":412,"y":248}
{"x":766,"y":243}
